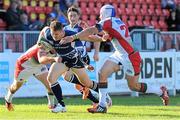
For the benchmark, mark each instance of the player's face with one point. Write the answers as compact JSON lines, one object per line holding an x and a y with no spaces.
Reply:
{"x":73,"y":17}
{"x":57,"y":35}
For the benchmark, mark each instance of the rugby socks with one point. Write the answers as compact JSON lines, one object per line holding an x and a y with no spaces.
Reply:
{"x":102,"y":94}
{"x":92,"y":98}
{"x":143,"y":87}
{"x":56,"y":88}
{"x":50,"y":97}
{"x":74,"y":79}
{"x":9,"y":96}
{"x":95,"y":87}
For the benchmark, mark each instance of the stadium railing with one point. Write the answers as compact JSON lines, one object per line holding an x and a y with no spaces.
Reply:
{"x":154,"y":40}
{"x":143,"y":39}
{"x":18,"y":41}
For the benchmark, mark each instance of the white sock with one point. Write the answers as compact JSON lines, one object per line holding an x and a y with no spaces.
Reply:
{"x":9,"y":97}
{"x":102,"y":96}
{"x":50,"y":99}
{"x":154,"y":89}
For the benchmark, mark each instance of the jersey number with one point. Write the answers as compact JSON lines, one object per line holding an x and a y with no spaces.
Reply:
{"x":124,"y":27}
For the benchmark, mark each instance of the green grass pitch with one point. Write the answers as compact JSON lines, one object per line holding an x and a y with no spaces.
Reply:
{"x":145,"y":107}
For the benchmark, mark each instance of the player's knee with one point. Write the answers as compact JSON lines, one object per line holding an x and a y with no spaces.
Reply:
{"x":67,"y":77}
{"x":50,"y":79}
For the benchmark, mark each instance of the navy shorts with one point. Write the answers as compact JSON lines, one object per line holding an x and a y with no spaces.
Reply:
{"x":73,"y":60}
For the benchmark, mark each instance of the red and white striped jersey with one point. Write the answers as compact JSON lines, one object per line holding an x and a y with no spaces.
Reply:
{"x":119,"y":35}
{"x":30,"y":56}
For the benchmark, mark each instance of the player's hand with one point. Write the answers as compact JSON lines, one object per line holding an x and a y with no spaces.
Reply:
{"x":83,"y":24}
{"x":105,"y":37}
{"x":96,"y":56}
{"x":58,"y":59}
{"x":66,"y":39}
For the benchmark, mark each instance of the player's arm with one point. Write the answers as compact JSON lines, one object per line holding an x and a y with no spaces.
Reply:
{"x":45,"y":59}
{"x":86,"y":35}
{"x":96,"y":51}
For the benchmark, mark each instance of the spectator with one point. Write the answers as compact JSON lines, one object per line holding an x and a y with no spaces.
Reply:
{"x":19,"y":7}
{"x":168,"y":4}
{"x":59,"y":15}
{"x":171,"y":21}
{"x":169,"y":43}
{"x":25,"y":22}
{"x":65,"y":4}
{"x":12,"y":16}
{"x":169,"y":46}
{"x":178,"y":17}
{"x":36,"y":25}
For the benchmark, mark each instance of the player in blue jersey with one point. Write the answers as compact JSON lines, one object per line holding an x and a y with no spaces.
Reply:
{"x":70,"y":59}
{"x":77,"y":25}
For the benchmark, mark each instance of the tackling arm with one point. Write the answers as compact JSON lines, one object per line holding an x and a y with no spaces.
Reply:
{"x":45,"y":59}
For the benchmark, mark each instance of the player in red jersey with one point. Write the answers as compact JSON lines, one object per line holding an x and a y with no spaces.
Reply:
{"x":125,"y":57}
{"x":31,"y":63}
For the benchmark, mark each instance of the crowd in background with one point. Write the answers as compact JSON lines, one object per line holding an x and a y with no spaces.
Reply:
{"x":173,"y":21}
{"x":18,"y":19}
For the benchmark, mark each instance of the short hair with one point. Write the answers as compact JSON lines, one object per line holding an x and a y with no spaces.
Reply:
{"x":56,"y":25}
{"x":73,"y":9}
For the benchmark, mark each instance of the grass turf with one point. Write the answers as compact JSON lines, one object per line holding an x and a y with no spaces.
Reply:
{"x":145,"y":107}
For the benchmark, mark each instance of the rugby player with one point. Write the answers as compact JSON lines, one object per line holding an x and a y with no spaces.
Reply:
{"x":70,"y":59}
{"x":125,"y":57}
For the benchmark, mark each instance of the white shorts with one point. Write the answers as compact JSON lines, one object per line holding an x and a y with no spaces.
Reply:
{"x":23,"y":73}
{"x":130,"y":65}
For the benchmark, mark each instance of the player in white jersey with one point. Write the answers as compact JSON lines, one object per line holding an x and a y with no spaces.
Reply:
{"x":125,"y":57}
{"x":31,"y":63}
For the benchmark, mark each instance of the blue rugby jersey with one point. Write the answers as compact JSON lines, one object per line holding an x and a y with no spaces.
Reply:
{"x":79,"y":45}
{"x":61,"y":49}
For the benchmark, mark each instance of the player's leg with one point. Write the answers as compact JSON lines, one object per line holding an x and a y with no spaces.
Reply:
{"x":20,"y":75}
{"x":107,"y":69}
{"x":56,"y":70}
{"x":84,"y":78}
{"x":50,"y":96}
{"x":70,"y":77}
{"x":134,"y":85}
{"x":11,"y":91}
{"x":133,"y":76}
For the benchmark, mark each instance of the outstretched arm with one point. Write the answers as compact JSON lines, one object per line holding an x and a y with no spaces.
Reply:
{"x":86,"y":35}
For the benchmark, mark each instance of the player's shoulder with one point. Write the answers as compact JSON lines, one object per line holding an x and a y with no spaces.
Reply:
{"x":67,"y":27}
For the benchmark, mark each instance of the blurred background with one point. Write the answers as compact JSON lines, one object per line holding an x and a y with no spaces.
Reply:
{"x":159,"y":17}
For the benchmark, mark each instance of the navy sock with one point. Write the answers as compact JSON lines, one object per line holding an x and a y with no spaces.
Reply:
{"x":75,"y":80}
{"x":56,"y":88}
{"x":91,"y":97}
{"x":95,"y":87}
